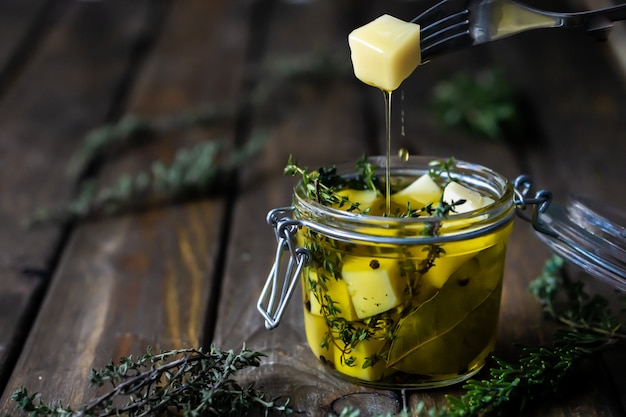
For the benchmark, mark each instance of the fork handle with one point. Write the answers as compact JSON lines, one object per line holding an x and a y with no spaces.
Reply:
{"x":613,"y":13}
{"x":590,"y":18}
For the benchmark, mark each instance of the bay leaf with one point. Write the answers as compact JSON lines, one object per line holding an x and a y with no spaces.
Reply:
{"x":446,"y":333}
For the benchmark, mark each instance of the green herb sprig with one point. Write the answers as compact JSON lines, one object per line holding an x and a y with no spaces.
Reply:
{"x":195,"y":171}
{"x":189,"y":381}
{"x":323,"y":184}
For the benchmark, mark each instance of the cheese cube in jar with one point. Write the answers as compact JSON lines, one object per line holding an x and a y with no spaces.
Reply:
{"x":418,"y":194}
{"x":385,"y":51}
{"x":374,"y":284}
{"x":327,"y":294}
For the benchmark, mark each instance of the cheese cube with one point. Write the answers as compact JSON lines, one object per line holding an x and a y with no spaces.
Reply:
{"x":443,"y":268}
{"x":473,"y":199}
{"x":337,"y":291}
{"x":316,"y":331}
{"x":419,"y":193}
{"x":364,"y":351}
{"x":374,"y":284}
{"x":367,"y":199}
{"x":385,"y":51}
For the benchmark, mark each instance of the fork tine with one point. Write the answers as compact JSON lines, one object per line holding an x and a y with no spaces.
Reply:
{"x":455,"y":20}
{"x":444,"y":44}
{"x":440,"y":10}
{"x":420,"y":17}
{"x":431,"y":11}
{"x":444,"y":26}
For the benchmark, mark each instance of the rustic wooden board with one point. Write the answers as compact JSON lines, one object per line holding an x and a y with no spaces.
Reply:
{"x":20,"y":25}
{"x":152,"y":278}
{"x":44,"y":113}
{"x":146,"y":279}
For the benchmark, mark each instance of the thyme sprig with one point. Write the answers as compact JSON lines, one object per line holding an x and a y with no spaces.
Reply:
{"x":190,"y":382}
{"x":323,"y":184}
{"x":132,"y":130}
{"x":195,"y":171}
{"x":583,"y":312}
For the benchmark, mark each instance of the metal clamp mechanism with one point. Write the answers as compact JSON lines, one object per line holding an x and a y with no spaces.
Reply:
{"x":540,"y":202}
{"x":278,"y":289}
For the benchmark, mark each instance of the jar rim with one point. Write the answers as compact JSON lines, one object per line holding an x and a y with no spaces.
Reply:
{"x":401,"y":230}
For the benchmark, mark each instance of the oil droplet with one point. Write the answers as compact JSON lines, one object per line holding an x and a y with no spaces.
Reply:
{"x":403,"y":154}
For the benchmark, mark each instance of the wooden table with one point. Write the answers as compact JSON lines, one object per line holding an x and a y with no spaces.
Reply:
{"x":73,"y":296}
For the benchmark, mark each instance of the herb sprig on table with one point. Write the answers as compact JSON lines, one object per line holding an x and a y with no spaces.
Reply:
{"x":189,"y":382}
{"x":193,"y":172}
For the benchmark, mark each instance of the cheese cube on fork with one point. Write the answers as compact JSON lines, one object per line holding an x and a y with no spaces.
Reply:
{"x":385,"y":51}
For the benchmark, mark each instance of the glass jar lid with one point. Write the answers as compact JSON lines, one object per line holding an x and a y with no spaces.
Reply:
{"x":591,"y":235}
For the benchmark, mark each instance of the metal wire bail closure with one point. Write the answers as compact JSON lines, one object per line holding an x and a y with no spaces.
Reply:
{"x":278,"y":288}
{"x":540,"y":202}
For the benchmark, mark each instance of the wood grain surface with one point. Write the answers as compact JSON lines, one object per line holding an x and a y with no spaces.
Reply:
{"x":188,"y":274}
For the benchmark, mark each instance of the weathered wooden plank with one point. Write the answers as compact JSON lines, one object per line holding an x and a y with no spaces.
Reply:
{"x":20,"y":25}
{"x":58,"y":96}
{"x":146,"y":279}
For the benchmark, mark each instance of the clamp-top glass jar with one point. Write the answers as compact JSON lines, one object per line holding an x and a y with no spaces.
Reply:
{"x":396,"y":302}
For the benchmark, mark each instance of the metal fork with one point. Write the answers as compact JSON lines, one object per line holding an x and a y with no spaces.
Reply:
{"x":454,"y":24}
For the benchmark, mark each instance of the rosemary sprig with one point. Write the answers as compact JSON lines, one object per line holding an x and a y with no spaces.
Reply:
{"x":190,"y":382}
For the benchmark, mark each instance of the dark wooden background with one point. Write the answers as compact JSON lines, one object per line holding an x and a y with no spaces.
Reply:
{"x":74,"y":296}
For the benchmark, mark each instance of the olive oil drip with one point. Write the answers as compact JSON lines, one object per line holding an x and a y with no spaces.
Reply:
{"x":387,"y":97}
{"x":403,"y":154}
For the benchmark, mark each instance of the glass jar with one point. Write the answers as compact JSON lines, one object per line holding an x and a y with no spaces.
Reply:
{"x":396,"y":302}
